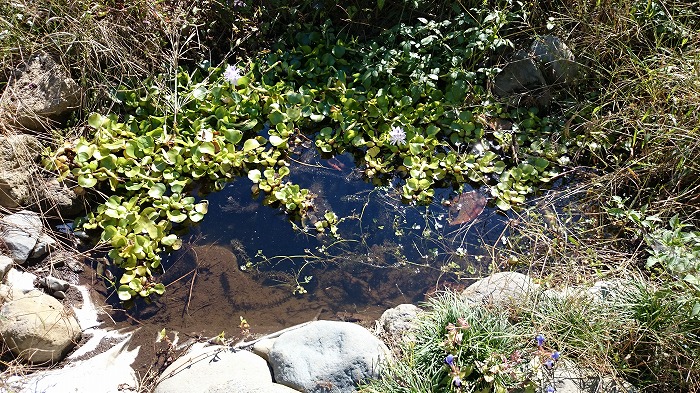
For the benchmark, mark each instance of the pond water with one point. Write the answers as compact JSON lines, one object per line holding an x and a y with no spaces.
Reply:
{"x":247,"y":260}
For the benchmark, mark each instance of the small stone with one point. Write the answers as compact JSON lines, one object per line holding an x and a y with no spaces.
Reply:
{"x":396,"y":323}
{"x":60,"y":295}
{"x":54,"y":284}
{"x":5,"y":266}
{"x":44,"y":244}
{"x":20,"y":232}
{"x":500,"y":287}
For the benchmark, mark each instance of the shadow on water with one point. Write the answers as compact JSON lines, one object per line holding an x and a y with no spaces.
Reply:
{"x":246,"y":260}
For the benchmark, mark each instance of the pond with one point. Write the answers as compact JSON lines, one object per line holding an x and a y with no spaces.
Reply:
{"x":247,"y":260}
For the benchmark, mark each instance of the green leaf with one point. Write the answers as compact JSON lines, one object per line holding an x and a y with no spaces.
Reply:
{"x":207,"y":148}
{"x":202,"y":207}
{"x":254,"y":175}
{"x":159,"y":288}
{"x":95,"y":120}
{"x":124,"y":293}
{"x":157,"y":191}
{"x":338,"y":51}
{"x":169,"y":240}
{"x":250,"y":144}
{"x":276,"y":140}
{"x":294,"y":98}
{"x":176,"y":216}
{"x":233,"y":136}
{"x":86,"y":181}
{"x":277,"y":117}
{"x":503,"y":205}
{"x":108,"y":233}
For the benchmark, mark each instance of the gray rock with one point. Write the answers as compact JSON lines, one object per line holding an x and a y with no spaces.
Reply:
{"x":5,"y":266}
{"x":263,"y":347}
{"x":205,"y":368}
{"x":325,"y":356}
{"x":37,"y":93}
{"x":247,"y":386}
{"x":20,"y":281}
{"x":21,"y":232}
{"x":108,"y":372}
{"x":522,"y":81}
{"x":57,"y":198}
{"x":17,"y":177}
{"x":22,"y":183}
{"x":568,"y":377}
{"x":500,"y":287}
{"x":73,"y":260}
{"x":54,"y":284}
{"x":37,"y":328}
{"x":396,"y":323}
{"x":60,"y":295}
{"x":555,"y":59}
{"x":44,"y":244}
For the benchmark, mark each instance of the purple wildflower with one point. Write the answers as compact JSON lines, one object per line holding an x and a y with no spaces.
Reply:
{"x":540,"y":339}
{"x":556,"y":355}
{"x":450,"y":360}
{"x":550,"y":389}
{"x":457,"y":381}
{"x":549,"y":363}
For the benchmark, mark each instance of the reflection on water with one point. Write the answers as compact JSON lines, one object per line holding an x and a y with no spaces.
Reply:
{"x":247,"y":260}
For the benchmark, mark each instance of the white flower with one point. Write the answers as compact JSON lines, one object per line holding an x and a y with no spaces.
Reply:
{"x":397,"y":136}
{"x":232,"y":74}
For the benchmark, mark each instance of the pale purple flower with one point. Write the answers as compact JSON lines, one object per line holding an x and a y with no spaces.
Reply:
{"x":450,"y":360}
{"x":239,"y":3}
{"x":232,"y":74}
{"x":397,"y":136}
{"x":556,"y":355}
{"x":549,"y":363}
{"x":550,"y":389}
{"x":540,"y":339}
{"x":457,"y":381}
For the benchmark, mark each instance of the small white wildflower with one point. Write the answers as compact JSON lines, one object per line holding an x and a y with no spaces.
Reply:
{"x":232,"y":74}
{"x":397,"y":136}
{"x":206,"y":135}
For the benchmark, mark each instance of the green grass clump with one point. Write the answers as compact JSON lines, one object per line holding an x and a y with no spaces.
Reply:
{"x":627,"y":331}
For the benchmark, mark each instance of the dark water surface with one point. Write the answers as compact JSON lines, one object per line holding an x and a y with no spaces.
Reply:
{"x":246,"y":260}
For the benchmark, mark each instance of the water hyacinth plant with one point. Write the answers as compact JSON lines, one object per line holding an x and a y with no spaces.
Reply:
{"x":402,"y":104}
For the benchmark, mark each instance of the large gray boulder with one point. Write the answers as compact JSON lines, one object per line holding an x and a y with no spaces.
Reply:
{"x":108,"y":372}
{"x":37,"y":93}
{"x":500,"y":288}
{"x":37,"y":328}
{"x":522,"y":82}
{"x":205,"y":369}
{"x":555,"y":59}
{"x":325,"y":356}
